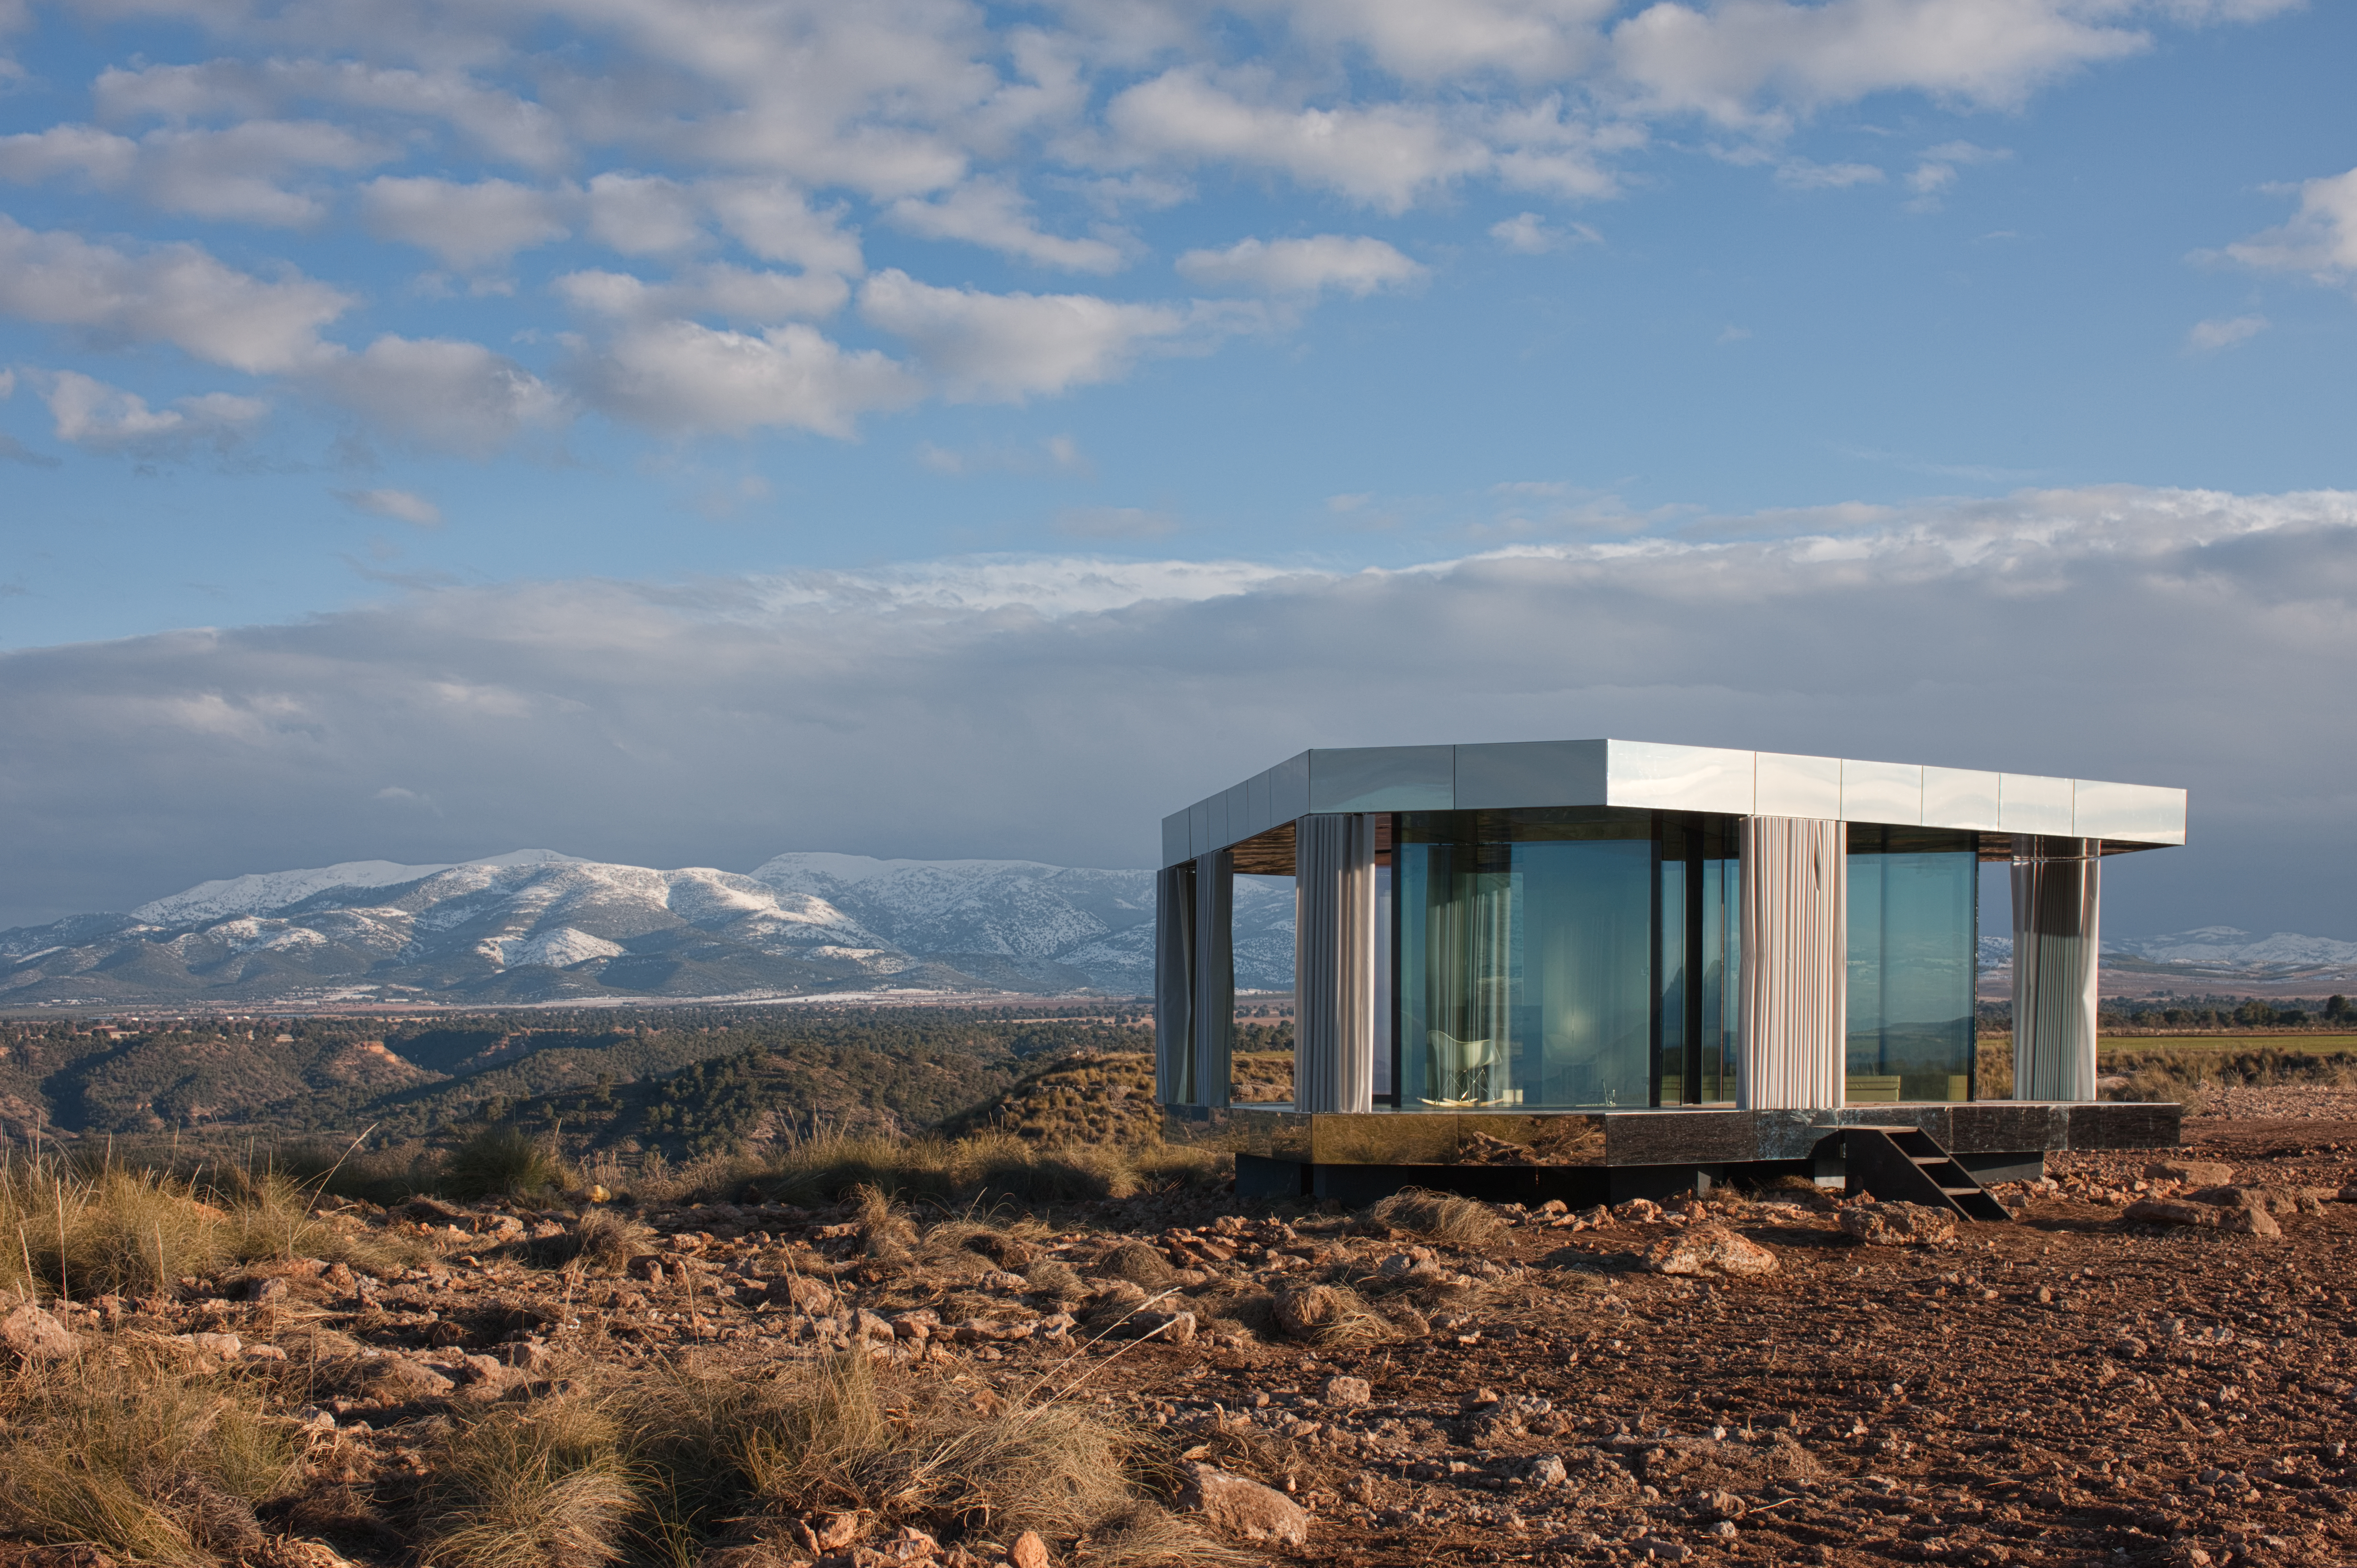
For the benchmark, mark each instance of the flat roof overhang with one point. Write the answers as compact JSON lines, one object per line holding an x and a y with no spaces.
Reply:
{"x":1255,"y":818}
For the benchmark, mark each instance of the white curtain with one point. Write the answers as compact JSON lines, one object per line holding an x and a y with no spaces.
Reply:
{"x":1215,"y":977}
{"x":1334,"y":961}
{"x":1794,"y":984}
{"x":2057,"y":916}
{"x":1174,"y":984}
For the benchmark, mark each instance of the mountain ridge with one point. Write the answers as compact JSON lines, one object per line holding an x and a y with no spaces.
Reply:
{"x":534,"y":925}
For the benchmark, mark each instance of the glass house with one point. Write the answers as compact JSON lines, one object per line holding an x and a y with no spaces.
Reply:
{"x":1612,"y":926}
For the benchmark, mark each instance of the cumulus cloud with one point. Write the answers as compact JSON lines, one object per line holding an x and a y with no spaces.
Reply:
{"x":2211,"y":336}
{"x":682,"y":378}
{"x":644,"y":215}
{"x":1006,"y":346}
{"x":451,"y":395}
{"x":1722,"y":62}
{"x":1356,"y":265}
{"x":97,"y":417}
{"x":239,"y":174}
{"x":1083,"y":698}
{"x":402,"y":505}
{"x":1528,"y":234}
{"x":1385,"y":155}
{"x":994,"y":215}
{"x":2320,"y":240}
{"x":174,"y":293}
{"x":731,"y":293}
{"x":468,"y":225}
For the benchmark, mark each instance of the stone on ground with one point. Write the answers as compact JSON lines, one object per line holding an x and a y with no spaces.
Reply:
{"x":34,"y":1335}
{"x":1245,"y":1509}
{"x":1709,"y":1250}
{"x":1899,"y":1224}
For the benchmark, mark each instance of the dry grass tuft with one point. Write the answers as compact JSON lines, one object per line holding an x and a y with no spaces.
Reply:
{"x":504,"y":1162}
{"x":839,"y":1435}
{"x":1440,"y":1217}
{"x":127,"y":1455}
{"x":599,"y":1238}
{"x":1335,"y":1316}
{"x":535,"y":1486}
{"x":1135,"y":1261}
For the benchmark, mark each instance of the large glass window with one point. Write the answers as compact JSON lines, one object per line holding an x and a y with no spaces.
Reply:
{"x":1526,"y":960}
{"x":1913,"y":910}
{"x":1700,"y":885}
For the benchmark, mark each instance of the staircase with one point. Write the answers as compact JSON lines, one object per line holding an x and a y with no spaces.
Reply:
{"x":1907,"y":1164}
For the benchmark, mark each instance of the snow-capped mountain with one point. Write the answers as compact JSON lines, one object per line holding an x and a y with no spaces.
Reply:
{"x":538,"y":926}
{"x":2219,"y":951}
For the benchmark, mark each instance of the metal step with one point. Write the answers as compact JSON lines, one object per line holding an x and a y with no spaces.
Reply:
{"x":1907,"y":1164}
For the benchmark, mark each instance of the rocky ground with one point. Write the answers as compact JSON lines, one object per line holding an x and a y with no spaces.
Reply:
{"x":1809,"y":1383}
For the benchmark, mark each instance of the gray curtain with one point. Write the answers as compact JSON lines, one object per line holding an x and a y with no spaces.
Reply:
{"x":1215,"y":977}
{"x":1794,"y":981}
{"x":2057,"y":916}
{"x":1334,"y":961}
{"x":1174,"y":984}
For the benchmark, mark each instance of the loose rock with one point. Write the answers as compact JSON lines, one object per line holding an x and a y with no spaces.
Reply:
{"x":35,"y":1335}
{"x":1245,"y":1509}
{"x":1899,"y":1224}
{"x":1709,"y":1250}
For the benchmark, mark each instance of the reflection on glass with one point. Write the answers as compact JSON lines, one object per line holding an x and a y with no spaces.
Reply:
{"x":1914,"y":924}
{"x":1701,"y":881}
{"x":1526,"y":957}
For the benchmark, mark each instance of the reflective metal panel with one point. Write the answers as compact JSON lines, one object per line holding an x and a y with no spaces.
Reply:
{"x":2142,"y":813}
{"x":1199,"y":826}
{"x":1175,"y":847}
{"x":1678,"y":777}
{"x":1882,"y":792}
{"x":1288,"y":788}
{"x":1959,"y":798}
{"x":2030,"y":803}
{"x":1531,"y":773}
{"x":1784,"y":785}
{"x":1383,"y":778}
{"x":1240,"y":823}
{"x":1256,"y":817}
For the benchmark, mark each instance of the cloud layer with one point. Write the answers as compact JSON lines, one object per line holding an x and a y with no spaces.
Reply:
{"x":1055,"y":708}
{"x":731,"y":163}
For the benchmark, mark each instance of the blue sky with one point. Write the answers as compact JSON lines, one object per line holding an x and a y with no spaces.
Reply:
{"x":429,"y":425}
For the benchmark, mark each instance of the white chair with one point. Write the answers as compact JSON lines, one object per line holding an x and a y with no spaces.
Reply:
{"x":1465,"y":1069}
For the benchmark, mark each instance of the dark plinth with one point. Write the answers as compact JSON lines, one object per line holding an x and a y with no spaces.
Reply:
{"x":1611,"y":1156}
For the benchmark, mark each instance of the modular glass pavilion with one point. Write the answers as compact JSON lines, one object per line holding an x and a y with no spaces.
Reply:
{"x":1610,"y":926}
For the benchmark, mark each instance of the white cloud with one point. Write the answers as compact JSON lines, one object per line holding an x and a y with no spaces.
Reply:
{"x":1385,"y":155}
{"x":101,"y":418}
{"x":644,"y":215}
{"x":1931,"y":179}
{"x":1526,"y":233}
{"x":1005,"y":347}
{"x":1800,"y":174}
{"x":680,"y":378}
{"x":2211,"y":336}
{"x":239,"y":174}
{"x":1356,"y":265}
{"x":173,"y":293}
{"x":1056,"y":454}
{"x":452,"y":395}
{"x":468,"y":226}
{"x":1083,"y":698}
{"x":511,"y":128}
{"x":776,"y":222}
{"x":402,"y":505}
{"x":731,"y":293}
{"x":1531,"y":40}
{"x":1727,"y":61}
{"x":994,"y":214}
{"x":2320,"y":240}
